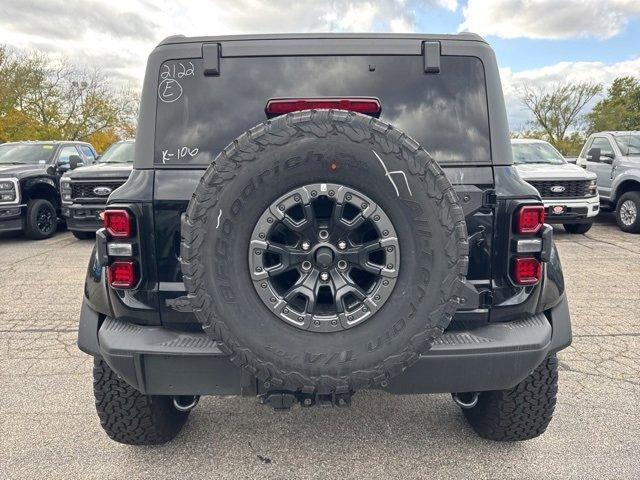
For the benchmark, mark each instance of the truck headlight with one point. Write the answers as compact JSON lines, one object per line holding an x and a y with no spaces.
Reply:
{"x":593,"y":189}
{"x":8,"y":191}
{"x":65,"y":191}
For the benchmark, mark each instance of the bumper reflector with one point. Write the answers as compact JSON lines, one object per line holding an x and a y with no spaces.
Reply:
{"x":120,"y":249}
{"x":529,"y":245}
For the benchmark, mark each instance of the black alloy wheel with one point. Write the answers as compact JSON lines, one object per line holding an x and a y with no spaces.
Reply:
{"x":46,"y":219}
{"x":324,"y":257}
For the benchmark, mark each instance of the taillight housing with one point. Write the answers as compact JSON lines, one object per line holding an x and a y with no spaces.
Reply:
{"x":365,"y":105}
{"x":122,"y":274}
{"x":527,"y":271}
{"x":529,"y":219}
{"x":118,"y":223}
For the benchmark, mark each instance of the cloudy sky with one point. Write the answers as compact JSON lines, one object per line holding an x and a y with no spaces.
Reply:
{"x":540,"y":41}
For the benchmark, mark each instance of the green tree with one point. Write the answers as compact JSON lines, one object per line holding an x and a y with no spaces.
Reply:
{"x":44,"y":99}
{"x":557,"y":111}
{"x":620,"y":109}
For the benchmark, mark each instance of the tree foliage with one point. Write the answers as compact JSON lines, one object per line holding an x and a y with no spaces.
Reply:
{"x":557,"y":110}
{"x":620,"y":109}
{"x":43,"y":99}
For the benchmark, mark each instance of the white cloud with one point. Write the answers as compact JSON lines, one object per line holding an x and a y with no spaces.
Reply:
{"x":597,"y":72}
{"x":551,"y":19}
{"x":119,"y":34}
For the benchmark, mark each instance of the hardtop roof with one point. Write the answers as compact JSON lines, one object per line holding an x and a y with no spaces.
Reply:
{"x":463,"y":36}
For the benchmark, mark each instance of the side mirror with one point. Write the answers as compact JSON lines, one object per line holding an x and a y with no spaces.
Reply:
{"x":607,"y":158}
{"x":593,"y":155}
{"x":51,"y":170}
{"x":74,"y":161}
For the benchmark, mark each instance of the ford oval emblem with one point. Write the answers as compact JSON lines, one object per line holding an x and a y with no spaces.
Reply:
{"x":557,"y":189}
{"x":104,"y":191}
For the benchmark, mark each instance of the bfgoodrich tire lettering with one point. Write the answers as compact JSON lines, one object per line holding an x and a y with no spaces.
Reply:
{"x":300,"y":149}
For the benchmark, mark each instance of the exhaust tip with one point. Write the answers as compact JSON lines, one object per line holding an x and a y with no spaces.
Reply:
{"x":185,"y":403}
{"x":465,"y":400}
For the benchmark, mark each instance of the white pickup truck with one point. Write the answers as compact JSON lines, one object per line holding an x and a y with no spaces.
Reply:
{"x":569,"y":193}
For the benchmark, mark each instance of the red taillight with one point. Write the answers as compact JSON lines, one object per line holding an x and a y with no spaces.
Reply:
{"x":529,"y":219}
{"x":122,"y":274}
{"x":117,"y":223}
{"x":279,"y":106}
{"x":527,"y":271}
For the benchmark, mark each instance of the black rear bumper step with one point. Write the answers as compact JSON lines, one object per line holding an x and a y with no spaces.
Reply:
{"x":160,"y":361}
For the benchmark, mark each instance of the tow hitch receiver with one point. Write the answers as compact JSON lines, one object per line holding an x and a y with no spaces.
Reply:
{"x":285,"y":399}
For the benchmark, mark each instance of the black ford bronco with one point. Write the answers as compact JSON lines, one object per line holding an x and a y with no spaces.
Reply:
{"x":30,"y":183}
{"x":313,"y":215}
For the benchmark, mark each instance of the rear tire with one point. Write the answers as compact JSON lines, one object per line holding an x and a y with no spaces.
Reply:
{"x":577,"y":228}
{"x":42,"y":219}
{"x":628,"y":212}
{"x":520,"y":413}
{"x":130,"y":417}
{"x":83,"y":235}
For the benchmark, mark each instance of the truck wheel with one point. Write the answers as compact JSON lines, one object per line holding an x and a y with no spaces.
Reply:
{"x":83,"y":235}
{"x":628,"y":212}
{"x":577,"y":228}
{"x":520,"y":413}
{"x":42,"y":219}
{"x":324,"y":250}
{"x":130,"y":417}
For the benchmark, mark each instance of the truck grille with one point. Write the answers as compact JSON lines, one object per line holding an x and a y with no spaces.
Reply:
{"x":85,"y":189}
{"x":572,"y":188}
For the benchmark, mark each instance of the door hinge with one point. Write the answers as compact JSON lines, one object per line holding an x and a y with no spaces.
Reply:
{"x":211,"y":59}
{"x":431,"y":56}
{"x":485,"y":299}
{"x":490,"y":199}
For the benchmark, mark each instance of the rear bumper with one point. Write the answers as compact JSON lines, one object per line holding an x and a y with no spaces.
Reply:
{"x":12,"y":217}
{"x":83,"y":218}
{"x":581,"y":210}
{"x":160,"y":361}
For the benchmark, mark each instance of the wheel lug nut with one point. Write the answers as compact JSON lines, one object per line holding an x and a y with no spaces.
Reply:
{"x":342,"y":245}
{"x":323,"y":234}
{"x":342,"y":264}
{"x":306,"y":266}
{"x":306,"y":245}
{"x":324,"y":276}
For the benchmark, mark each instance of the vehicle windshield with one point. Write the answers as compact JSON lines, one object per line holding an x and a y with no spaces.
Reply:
{"x":525,"y":153}
{"x":121,"y":152}
{"x":629,"y":144}
{"x":17,"y":154}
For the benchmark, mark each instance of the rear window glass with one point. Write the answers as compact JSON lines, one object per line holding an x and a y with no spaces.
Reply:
{"x":197,"y":115}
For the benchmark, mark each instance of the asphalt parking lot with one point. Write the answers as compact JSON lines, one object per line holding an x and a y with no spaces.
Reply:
{"x":49,"y":428}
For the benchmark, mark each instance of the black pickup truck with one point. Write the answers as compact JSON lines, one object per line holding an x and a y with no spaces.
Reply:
{"x":309,"y":216}
{"x":84,"y":191}
{"x":30,"y":180}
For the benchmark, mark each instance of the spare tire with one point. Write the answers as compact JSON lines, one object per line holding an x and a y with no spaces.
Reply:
{"x":325,"y":250}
